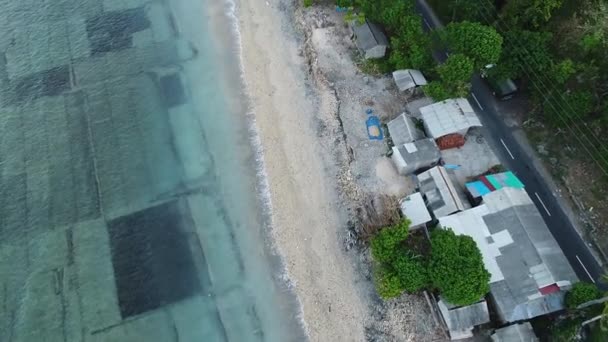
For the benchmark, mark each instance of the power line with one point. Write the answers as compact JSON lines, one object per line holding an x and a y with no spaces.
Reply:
{"x":543,"y":84}
{"x":596,"y":150}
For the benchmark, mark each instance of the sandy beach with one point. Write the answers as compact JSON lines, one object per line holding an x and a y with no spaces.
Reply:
{"x":309,"y":101}
{"x":306,"y":221}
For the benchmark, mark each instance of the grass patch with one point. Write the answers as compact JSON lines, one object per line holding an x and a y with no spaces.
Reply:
{"x":308,"y":3}
{"x":374,"y":67}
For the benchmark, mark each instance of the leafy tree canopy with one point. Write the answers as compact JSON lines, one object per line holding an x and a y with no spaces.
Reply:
{"x":385,"y":244}
{"x":581,"y":293}
{"x":472,"y":10}
{"x":524,"y":52}
{"x":479,"y":42}
{"x":456,"y":268}
{"x":436,"y":91}
{"x":411,"y":272}
{"x":529,"y":13}
{"x":458,"y":68}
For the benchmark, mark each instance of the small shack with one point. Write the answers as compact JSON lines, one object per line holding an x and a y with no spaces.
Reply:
{"x":370,"y":40}
{"x":461,"y":320}
{"x":403,"y":130}
{"x":414,"y":209}
{"x":442,"y":196}
{"x":515,"y":333}
{"x":407,"y":79}
{"x":448,"y":121}
{"x":415,"y":156}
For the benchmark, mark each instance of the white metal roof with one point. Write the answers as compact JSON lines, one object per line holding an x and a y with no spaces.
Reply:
{"x":403,"y":130}
{"x":441,"y":194}
{"x":448,"y":116}
{"x":522,"y":332}
{"x":470,"y":222}
{"x":518,"y":250}
{"x":414,"y":209}
{"x":408,"y":78}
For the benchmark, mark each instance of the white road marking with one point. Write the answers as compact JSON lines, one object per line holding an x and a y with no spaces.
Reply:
{"x":476,"y":100}
{"x":585,"y":268}
{"x":427,"y":23}
{"x":541,"y":202}
{"x":506,"y":148}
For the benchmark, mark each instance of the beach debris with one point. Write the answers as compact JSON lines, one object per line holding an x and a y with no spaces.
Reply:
{"x":376,"y":212}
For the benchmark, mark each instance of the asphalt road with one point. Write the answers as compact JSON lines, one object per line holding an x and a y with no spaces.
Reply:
{"x":514,"y":157}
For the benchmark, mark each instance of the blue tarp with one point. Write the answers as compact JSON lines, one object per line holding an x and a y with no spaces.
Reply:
{"x":477,"y":188}
{"x":374,"y":130}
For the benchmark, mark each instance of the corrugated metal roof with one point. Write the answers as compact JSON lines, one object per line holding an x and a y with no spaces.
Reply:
{"x":403,"y":130}
{"x":369,"y":35}
{"x":418,"y":77}
{"x":448,"y":116}
{"x":414,"y":209}
{"x":441,"y":195}
{"x":408,"y":78}
{"x":518,"y":250}
{"x":412,"y":156}
{"x":515,"y":333}
{"x":464,"y":318}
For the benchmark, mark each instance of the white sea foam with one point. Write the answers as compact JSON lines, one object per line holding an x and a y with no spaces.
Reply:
{"x":262,"y":184}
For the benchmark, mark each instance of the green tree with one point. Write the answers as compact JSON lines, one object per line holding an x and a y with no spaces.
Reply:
{"x":456,"y":268}
{"x":471,"y":10}
{"x":580,"y":293}
{"x":524,"y":52}
{"x":385,"y":245}
{"x":563,"y":70}
{"x":479,"y":42}
{"x":529,"y":13}
{"x":411,"y":272}
{"x":436,"y":91}
{"x":456,"y":70}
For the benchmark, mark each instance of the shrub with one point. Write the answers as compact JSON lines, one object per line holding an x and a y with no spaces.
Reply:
{"x":456,"y":268}
{"x":410,"y":271}
{"x":308,"y":3}
{"x":581,"y":293}
{"x":384,"y":245}
{"x":387,"y":282}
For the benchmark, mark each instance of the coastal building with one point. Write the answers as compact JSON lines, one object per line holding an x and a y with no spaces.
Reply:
{"x":370,"y":40}
{"x":442,"y":196}
{"x":515,"y":333}
{"x":414,"y":209}
{"x":529,"y":272}
{"x":448,"y":121}
{"x":408,"y":79}
{"x":402,"y":129}
{"x":483,"y":185}
{"x":415,"y":156}
{"x":461,"y":320}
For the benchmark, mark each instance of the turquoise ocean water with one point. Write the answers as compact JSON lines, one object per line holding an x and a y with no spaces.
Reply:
{"x":133,"y":200}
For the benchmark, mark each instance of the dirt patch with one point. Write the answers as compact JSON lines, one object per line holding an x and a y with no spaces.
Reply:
{"x":364,"y":170}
